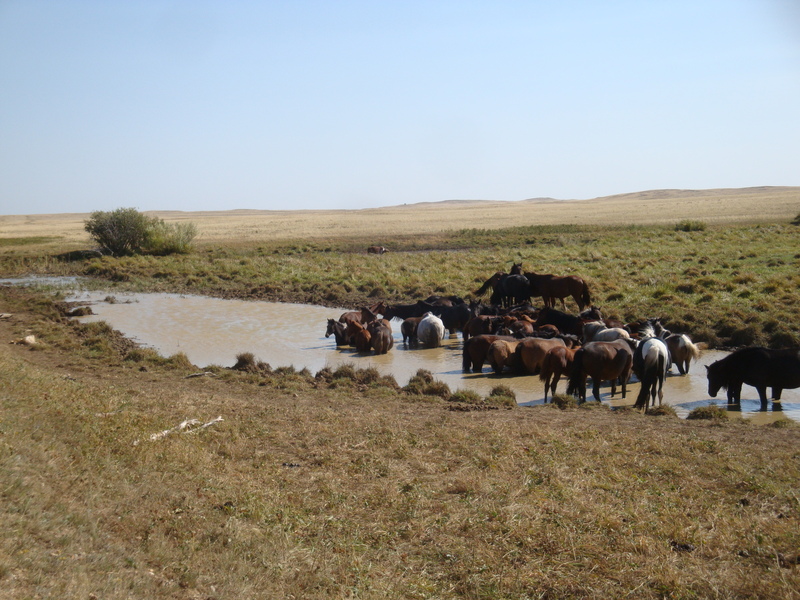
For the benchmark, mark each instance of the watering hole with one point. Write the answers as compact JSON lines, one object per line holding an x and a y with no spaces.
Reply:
{"x":213,"y":331}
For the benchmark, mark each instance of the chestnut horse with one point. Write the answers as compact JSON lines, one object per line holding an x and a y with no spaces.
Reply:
{"x":557,"y":362}
{"x":476,"y":348}
{"x":501,"y":354}
{"x":601,"y":361}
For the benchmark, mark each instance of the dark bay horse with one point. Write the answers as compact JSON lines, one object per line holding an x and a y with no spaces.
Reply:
{"x":507,"y":289}
{"x":756,"y":366}
{"x":337,"y":329}
{"x":602,"y":361}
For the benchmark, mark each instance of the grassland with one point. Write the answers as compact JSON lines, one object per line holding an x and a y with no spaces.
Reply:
{"x":340,"y":485}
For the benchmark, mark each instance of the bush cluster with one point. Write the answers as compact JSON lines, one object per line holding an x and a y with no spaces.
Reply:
{"x":126,"y":231}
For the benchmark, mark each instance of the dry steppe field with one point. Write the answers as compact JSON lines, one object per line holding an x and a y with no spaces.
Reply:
{"x":759,"y":204}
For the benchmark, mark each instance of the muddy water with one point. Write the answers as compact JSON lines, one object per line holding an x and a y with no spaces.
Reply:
{"x":213,"y":331}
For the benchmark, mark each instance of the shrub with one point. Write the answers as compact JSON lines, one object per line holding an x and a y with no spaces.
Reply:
{"x":126,"y":231}
{"x":712,"y":411}
{"x":564,"y":401}
{"x":689,"y":225}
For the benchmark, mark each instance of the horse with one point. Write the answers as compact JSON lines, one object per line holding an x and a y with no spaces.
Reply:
{"x":566,"y":323}
{"x":337,"y":329}
{"x":510,"y":290}
{"x":596,"y":331}
{"x":382,"y":340}
{"x":557,"y":362}
{"x":430,"y":331}
{"x":475,"y":351}
{"x":601,"y":361}
{"x":404,"y":311}
{"x":502,"y":354}
{"x":454,"y":317}
{"x":409,"y":330}
{"x":650,"y":363}
{"x":365,"y":314}
{"x":522,"y":327}
{"x":556,"y":287}
{"x":682,"y":351}
{"x":377,"y":250}
{"x":362,"y":337}
{"x":756,"y":366}
{"x":480,"y":325}
{"x":531,"y":351}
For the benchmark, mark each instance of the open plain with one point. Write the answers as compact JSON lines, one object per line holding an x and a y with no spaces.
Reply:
{"x":118,"y":480}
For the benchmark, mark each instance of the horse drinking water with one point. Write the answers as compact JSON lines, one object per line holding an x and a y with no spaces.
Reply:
{"x":759,"y":367}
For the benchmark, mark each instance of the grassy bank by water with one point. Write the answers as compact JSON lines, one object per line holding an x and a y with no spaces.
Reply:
{"x":344,"y":487}
{"x":726,"y":285}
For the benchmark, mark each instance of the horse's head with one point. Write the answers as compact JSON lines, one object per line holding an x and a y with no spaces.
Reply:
{"x":715,"y":379}
{"x":516,"y":269}
{"x":331,"y":328}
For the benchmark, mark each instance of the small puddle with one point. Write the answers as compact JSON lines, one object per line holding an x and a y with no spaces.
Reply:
{"x":213,"y":331}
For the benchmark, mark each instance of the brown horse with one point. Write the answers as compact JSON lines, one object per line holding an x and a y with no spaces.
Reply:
{"x":557,"y":362}
{"x":602,"y":361}
{"x":682,"y":351}
{"x":409,"y":330}
{"x":377,"y":250}
{"x":502,"y":354}
{"x":362,"y":338}
{"x":381,"y":332}
{"x":531,"y":352}
{"x":481,"y":325}
{"x":476,"y":348}
{"x":555,"y":287}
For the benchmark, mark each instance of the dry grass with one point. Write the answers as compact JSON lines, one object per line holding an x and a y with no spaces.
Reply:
{"x":314,"y":490}
{"x":651,"y":207}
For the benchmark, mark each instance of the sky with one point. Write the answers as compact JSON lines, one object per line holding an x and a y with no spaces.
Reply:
{"x":347,"y":104}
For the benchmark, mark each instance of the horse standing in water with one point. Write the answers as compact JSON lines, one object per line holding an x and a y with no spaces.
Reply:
{"x":759,"y":367}
{"x":650,"y":364}
{"x":601,"y":361}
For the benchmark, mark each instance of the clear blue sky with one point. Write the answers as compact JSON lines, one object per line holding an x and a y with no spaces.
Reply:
{"x":193,"y":105}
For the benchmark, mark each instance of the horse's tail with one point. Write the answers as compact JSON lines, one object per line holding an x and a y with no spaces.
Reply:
{"x":548,"y":368}
{"x":586,"y":298}
{"x":694,"y":351}
{"x":489,"y":283}
{"x":577,"y":373}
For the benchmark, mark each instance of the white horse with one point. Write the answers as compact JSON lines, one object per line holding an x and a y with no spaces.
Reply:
{"x":650,"y":363}
{"x":596,"y":331}
{"x":430,"y":331}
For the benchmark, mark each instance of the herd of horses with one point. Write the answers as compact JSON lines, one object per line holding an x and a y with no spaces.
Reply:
{"x":515,"y":337}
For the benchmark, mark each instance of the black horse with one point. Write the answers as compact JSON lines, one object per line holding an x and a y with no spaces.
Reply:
{"x":756,"y":366}
{"x":510,"y":290}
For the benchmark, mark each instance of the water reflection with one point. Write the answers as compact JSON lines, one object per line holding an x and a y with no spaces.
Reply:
{"x":213,"y":331}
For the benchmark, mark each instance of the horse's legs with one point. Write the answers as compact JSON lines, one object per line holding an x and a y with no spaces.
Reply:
{"x":776,"y":393}
{"x":762,"y":395}
{"x":596,"y":389}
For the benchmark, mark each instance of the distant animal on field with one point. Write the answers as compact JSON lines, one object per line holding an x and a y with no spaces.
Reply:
{"x":756,"y":366}
{"x":377,"y":250}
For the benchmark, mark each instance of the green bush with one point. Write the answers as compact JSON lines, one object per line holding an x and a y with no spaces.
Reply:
{"x":689,"y":225}
{"x":126,"y":231}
